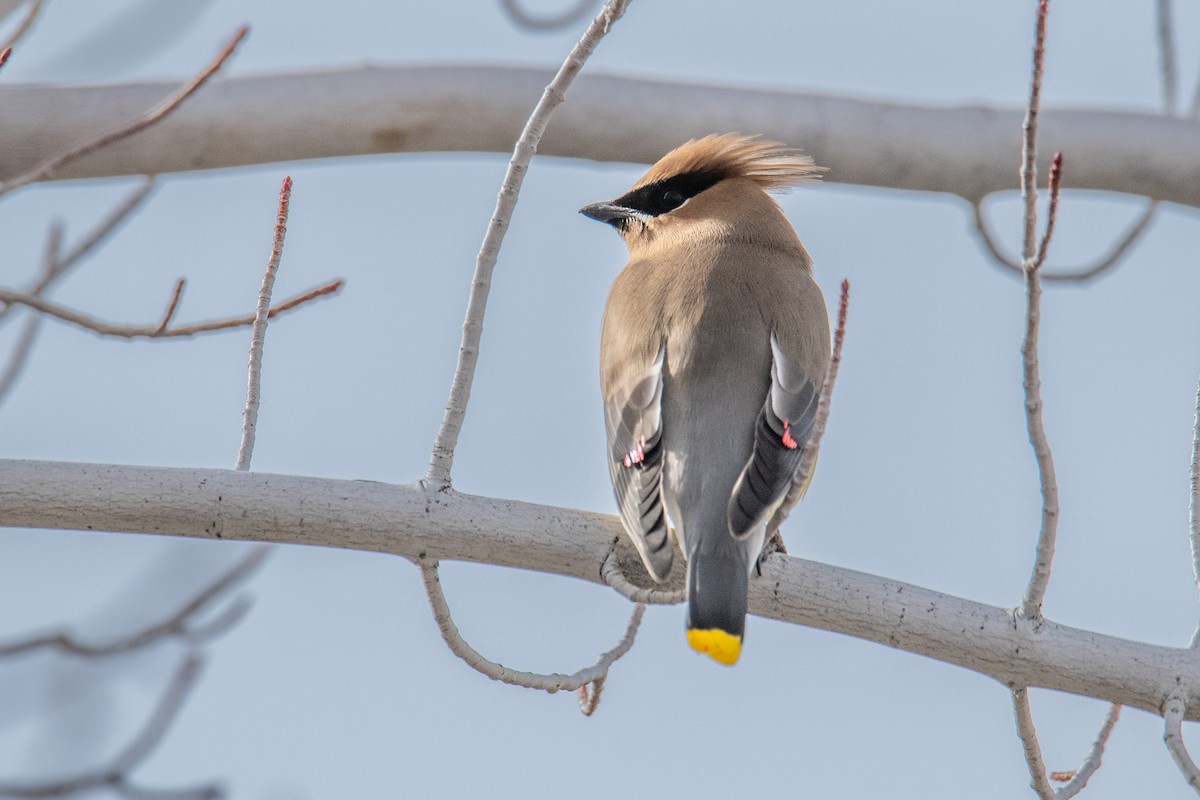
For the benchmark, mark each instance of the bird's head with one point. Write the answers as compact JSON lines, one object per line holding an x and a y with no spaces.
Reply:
{"x":718,"y":180}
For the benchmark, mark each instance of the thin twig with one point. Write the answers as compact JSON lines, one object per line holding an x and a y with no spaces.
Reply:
{"x":1167,"y":72}
{"x":172,"y":306}
{"x":176,"y":625}
{"x":35,"y":8}
{"x":259,"y":332}
{"x":1194,"y":506}
{"x":1029,"y":141}
{"x":441,"y":460}
{"x":1173,"y":711}
{"x":808,"y":461}
{"x":161,"y":719}
{"x":612,"y":574}
{"x":1166,"y":57}
{"x":1078,"y":778}
{"x":58,"y":266}
{"x":47,"y":168}
{"x":1035,"y":592}
{"x":25,"y":342}
{"x":110,"y":223}
{"x":152,"y":331}
{"x":523,"y":19}
{"x":1029,"y":741}
{"x":551,"y":683}
{"x":20,"y":355}
{"x":1074,"y":274}
{"x":590,"y":700}
{"x":130,"y":791}
{"x":1055,"y":186}
{"x":225,"y":619}
{"x":115,"y":775}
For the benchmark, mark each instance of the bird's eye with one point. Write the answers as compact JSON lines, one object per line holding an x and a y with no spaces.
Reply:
{"x":672,"y":198}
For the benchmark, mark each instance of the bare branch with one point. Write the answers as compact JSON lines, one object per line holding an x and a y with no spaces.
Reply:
{"x":1055,"y":186}
{"x":1173,"y":712}
{"x":1166,"y":56}
{"x":115,"y":776}
{"x":20,"y":355}
{"x":152,"y":331}
{"x":1029,"y":142}
{"x":420,"y":524}
{"x":614,"y":576}
{"x":1035,"y":592}
{"x":225,"y":619}
{"x":110,"y":223}
{"x":58,"y":266}
{"x":25,"y":342}
{"x":172,"y":306}
{"x":163,"y":716}
{"x":129,"y":791}
{"x":1194,"y":506}
{"x":48,"y":168}
{"x":26,"y":24}
{"x":441,"y":460}
{"x":551,"y":683}
{"x":589,"y":701}
{"x":808,"y":461}
{"x":1074,"y":274}
{"x":259,"y":334}
{"x":963,"y":150}
{"x":1078,"y":778}
{"x":1029,"y":741}
{"x":175,"y":626}
{"x":1080,"y":274}
{"x":545,"y":24}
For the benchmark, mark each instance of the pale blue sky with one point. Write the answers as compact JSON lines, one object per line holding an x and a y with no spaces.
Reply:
{"x":338,"y":685}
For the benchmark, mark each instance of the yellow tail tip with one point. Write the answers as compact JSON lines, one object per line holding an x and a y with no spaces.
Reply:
{"x":716,"y":644}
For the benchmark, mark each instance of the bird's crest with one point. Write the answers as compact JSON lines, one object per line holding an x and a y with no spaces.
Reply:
{"x":771,"y":165}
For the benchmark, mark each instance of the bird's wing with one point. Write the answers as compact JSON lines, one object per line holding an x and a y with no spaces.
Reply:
{"x":782,"y":429}
{"x":633,"y":417}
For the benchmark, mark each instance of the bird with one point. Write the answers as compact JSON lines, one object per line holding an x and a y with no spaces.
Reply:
{"x":714,"y":348}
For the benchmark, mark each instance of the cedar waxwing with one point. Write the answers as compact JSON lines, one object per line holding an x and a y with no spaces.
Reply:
{"x":714,"y":350}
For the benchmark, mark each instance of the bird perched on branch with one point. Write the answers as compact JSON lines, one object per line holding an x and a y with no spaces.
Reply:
{"x":714,"y":350}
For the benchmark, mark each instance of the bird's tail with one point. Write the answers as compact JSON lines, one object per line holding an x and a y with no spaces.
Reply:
{"x":717,"y":586}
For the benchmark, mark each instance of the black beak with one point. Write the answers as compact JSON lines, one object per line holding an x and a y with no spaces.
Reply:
{"x":611,"y":213}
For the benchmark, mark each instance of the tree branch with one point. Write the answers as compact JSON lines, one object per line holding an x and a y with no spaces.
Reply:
{"x":177,"y":625}
{"x":259,"y":330}
{"x":1032,"y":257}
{"x":51,"y":166}
{"x":441,"y":460}
{"x":1029,"y":743}
{"x":1080,"y":274}
{"x":116,"y":775}
{"x":57,"y":265}
{"x":551,"y":683}
{"x":1194,"y":507}
{"x":545,"y":24}
{"x":1166,"y":56}
{"x":965,"y":150}
{"x":155,"y":330}
{"x":1078,"y":779}
{"x":1173,"y":712}
{"x":26,"y":24}
{"x":448,"y":525}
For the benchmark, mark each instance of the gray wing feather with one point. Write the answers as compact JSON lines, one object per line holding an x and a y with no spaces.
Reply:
{"x":782,"y":429}
{"x":633,"y":417}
